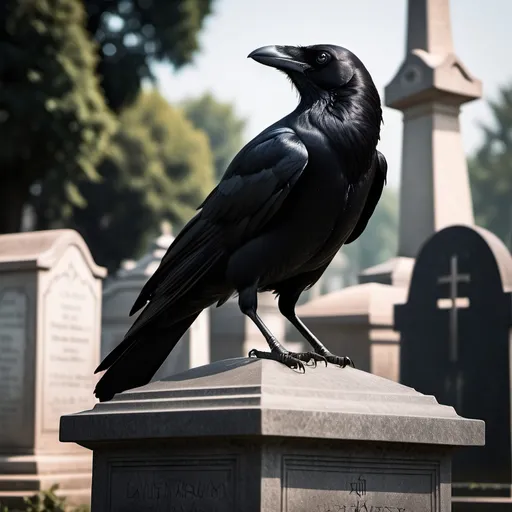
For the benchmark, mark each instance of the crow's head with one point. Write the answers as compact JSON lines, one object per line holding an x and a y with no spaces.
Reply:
{"x":323,"y":66}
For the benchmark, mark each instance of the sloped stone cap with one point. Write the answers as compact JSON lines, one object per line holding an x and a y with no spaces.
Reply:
{"x":254,"y":397}
{"x":42,"y":249}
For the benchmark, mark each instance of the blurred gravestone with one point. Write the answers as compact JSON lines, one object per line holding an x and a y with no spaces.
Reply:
{"x":455,"y":334}
{"x":121,"y":292}
{"x":50,"y":316}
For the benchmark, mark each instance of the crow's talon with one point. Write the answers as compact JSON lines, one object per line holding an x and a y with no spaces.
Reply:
{"x":341,"y":361}
{"x":287,"y":359}
{"x":310,"y":358}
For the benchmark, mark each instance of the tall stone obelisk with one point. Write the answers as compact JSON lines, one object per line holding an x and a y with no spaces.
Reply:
{"x":429,"y":88}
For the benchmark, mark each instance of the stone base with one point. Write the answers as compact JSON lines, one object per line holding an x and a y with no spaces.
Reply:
{"x":252,"y":475}
{"x":251,"y":435}
{"x":25,"y":475}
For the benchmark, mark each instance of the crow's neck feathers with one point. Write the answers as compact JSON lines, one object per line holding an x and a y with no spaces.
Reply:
{"x":349,"y":116}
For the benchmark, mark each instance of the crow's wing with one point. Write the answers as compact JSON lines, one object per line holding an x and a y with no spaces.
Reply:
{"x":257,"y":182}
{"x":379,"y":180}
{"x":253,"y":188}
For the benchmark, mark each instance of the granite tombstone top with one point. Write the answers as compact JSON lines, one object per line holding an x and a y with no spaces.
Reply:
{"x":253,"y":435}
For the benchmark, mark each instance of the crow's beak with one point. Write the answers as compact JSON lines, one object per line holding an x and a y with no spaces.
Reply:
{"x":285,"y":58}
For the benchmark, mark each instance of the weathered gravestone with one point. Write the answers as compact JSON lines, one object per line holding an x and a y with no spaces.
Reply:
{"x":120,"y":293}
{"x":50,"y":309}
{"x":252,"y":435}
{"x":455,"y":335}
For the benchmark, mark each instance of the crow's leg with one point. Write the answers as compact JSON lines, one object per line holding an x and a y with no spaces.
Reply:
{"x":287,"y":302}
{"x":248,"y":303}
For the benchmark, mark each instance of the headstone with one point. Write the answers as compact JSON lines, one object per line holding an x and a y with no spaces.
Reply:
{"x":358,"y":322}
{"x":233,"y":334}
{"x":50,"y":316}
{"x":262,"y":438}
{"x":121,"y":292}
{"x":455,"y":334}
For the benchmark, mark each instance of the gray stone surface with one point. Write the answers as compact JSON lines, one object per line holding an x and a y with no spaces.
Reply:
{"x":253,"y":435}
{"x":50,"y":308}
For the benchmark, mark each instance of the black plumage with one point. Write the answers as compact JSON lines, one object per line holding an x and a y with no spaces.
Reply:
{"x":286,"y":204}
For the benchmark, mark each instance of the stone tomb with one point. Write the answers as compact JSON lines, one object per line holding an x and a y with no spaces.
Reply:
{"x":50,"y":308}
{"x":252,"y":435}
{"x":120,"y":293}
{"x":455,"y":335}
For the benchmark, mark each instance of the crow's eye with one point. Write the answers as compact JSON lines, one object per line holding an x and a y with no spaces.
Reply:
{"x":323,"y":58}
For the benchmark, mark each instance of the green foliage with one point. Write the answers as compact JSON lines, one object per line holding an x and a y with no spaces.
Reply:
{"x":134,"y":33}
{"x":46,"y":501}
{"x":222,"y":125}
{"x":52,"y":115}
{"x":158,"y":167}
{"x":183,"y":150}
{"x":379,"y":240}
{"x":490,"y":170}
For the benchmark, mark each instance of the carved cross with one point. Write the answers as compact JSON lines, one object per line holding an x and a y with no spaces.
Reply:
{"x":454,"y":303}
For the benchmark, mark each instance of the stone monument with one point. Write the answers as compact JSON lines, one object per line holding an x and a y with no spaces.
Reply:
{"x":251,"y":435}
{"x":50,"y":317}
{"x":429,"y":88}
{"x":121,"y":292}
{"x":455,"y":335}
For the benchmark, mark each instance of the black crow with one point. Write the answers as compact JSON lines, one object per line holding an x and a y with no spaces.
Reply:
{"x":286,"y":204}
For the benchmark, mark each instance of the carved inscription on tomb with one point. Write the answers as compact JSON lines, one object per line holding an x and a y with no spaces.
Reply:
{"x":176,"y":485}
{"x":320,"y":484}
{"x":13,"y":343}
{"x":69,"y":334}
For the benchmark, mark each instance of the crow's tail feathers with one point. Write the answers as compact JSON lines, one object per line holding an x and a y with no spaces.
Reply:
{"x":134,"y":361}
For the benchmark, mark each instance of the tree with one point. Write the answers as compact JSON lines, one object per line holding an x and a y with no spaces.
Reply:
{"x":52,"y":115}
{"x":222,"y":125}
{"x":490,"y":171}
{"x":158,"y":167}
{"x":379,"y":240}
{"x":134,"y":33}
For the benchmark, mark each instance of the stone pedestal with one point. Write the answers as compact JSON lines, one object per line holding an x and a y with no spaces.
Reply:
{"x":254,"y":436}
{"x":50,"y":316}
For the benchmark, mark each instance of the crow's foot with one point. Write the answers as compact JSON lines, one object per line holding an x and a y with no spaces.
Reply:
{"x":310,"y":358}
{"x":341,"y":361}
{"x":285,"y":358}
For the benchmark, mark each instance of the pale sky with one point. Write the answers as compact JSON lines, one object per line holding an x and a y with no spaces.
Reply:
{"x":373,"y":29}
